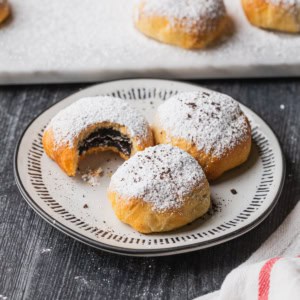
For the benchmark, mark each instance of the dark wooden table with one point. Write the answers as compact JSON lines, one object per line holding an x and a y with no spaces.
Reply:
{"x":39,"y":262}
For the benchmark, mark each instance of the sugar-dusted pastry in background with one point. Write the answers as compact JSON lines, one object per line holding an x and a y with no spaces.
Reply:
{"x":184,"y":23}
{"x":159,"y":189}
{"x":208,"y":125}
{"x":4,"y":10}
{"x":92,"y":125}
{"x":282,"y":15}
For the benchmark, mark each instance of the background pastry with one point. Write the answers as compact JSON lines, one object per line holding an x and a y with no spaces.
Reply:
{"x":159,"y":189}
{"x":208,"y":125}
{"x":4,"y":10}
{"x":282,"y":15}
{"x":95,"y":124}
{"x":184,"y":23}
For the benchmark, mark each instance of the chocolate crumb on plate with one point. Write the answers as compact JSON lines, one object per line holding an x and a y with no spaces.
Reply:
{"x":233,"y":191}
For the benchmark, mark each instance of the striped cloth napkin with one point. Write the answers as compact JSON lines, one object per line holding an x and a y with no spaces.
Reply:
{"x":272,"y":272}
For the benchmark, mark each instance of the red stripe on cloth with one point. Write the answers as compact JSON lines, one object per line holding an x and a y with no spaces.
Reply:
{"x":264,"y":279}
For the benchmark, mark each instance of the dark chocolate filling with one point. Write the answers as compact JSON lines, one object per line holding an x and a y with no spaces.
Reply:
{"x":106,"y":137}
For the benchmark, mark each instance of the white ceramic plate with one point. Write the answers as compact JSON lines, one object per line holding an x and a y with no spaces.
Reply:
{"x":242,"y":198}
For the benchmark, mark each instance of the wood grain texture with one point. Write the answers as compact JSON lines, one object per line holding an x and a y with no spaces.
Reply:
{"x":39,"y":262}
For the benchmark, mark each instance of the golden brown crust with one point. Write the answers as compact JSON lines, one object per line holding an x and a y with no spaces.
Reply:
{"x":68,"y":157}
{"x":213,"y":166}
{"x":160,"y":28}
{"x":281,"y":17}
{"x":141,"y":216}
{"x":4,"y":11}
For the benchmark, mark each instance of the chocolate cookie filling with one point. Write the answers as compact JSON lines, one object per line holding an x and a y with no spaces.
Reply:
{"x":106,"y":137}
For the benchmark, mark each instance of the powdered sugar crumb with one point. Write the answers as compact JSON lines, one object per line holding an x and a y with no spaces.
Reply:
{"x":282,"y":106}
{"x":212,"y":121}
{"x":92,"y":177}
{"x":188,"y":12}
{"x":81,"y":280}
{"x":70,"y":122}
{"x":46,"y":250}
{"x":160,"y":175}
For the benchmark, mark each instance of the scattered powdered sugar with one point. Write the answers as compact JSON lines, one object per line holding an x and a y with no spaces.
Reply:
{"x":160,"y":175}
{"x":46,"y":250}
{"x":70,"y":122}
{"x":285,"y":2}
{"x":92,"y":177}
{"x":81,"y":280}
{"x":190,"y":12}
{"x":93,"y":51}
{"x":212,"y":121}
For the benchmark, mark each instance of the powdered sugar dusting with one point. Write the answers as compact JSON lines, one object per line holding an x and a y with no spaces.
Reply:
{"x":69,"y":122}
{"x":188,"y":12}
{"x":160,"y":175}
{"x":285,"y":2}
{"x":212,"y":121}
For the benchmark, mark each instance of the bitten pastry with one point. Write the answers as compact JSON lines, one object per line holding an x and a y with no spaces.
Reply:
{"x":282,"y":15}
{"x":184,"y":23}
{"x":95,"y":124}
{"x":159,"y":189}
{"x":4,"y":10}
{"x":208,"y":125}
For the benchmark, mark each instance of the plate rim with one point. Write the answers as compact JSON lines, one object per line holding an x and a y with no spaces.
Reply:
{"x":141,"y":252}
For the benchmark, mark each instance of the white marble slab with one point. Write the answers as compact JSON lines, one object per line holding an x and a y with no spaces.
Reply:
{"x":92,"y":40}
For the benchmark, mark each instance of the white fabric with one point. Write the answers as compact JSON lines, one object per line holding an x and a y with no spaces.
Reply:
{"x":285,"y":279}
{"x":243,"y":282}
